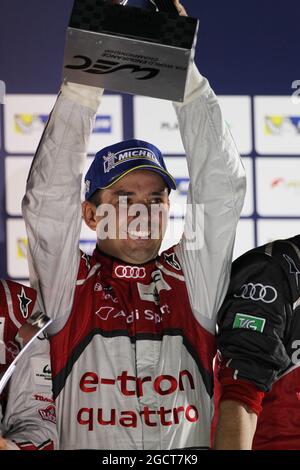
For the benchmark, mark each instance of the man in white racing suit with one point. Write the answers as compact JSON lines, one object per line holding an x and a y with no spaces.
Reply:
{"x":27,"y":410}
{"x":133,"y":333}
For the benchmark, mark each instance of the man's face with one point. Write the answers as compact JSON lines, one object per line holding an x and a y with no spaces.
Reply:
{"x":132,"y":217}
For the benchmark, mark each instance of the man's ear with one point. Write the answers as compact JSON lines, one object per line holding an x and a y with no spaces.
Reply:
{"x":89,"y":214}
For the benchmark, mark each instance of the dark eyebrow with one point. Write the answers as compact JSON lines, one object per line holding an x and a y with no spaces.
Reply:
{"x":158,"y":193}
{"x":122,"y":192}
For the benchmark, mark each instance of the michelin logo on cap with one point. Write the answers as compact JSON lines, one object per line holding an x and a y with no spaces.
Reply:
{"x":111,"y":160}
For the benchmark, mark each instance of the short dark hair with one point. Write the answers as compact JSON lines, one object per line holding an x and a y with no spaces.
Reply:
{"x":95,"y":198}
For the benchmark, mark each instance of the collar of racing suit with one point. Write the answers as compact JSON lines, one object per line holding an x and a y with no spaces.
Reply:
{"x":117,"y":269}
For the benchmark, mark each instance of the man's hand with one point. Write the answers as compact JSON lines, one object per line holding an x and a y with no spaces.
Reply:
{"x":180,"y":8}
{"x":165,"y":4}
{"x":6,"y":444}
{"x":3,"y":444}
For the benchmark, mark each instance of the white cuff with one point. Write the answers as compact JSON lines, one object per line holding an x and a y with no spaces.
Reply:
{"x":197,"y":85}
{"x":85,"y":95}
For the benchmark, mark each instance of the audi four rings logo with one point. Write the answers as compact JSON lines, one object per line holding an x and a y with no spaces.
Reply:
{"x":101,"y":67}
{"x":130,"y":272}
{"x":266,"y":294}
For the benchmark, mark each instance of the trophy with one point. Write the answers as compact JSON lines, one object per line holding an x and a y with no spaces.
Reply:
{"x":164,"y":5}
{"x":128,"y":49}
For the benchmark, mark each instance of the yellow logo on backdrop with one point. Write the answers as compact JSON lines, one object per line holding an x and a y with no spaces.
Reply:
{"x":22,"y":245}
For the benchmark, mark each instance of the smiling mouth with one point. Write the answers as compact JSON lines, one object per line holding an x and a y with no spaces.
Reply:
{"x":139,"y":235}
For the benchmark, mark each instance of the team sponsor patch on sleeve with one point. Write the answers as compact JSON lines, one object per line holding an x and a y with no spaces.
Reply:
{"x":41,"y":371}
{"x":249,"y":322}
{"x":48,"y":414}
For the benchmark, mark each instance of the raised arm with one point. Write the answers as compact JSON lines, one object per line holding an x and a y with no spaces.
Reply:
{"x":215,"y":198}
{"x":52,"y":206}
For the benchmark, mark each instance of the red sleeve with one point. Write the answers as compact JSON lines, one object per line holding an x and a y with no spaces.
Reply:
{"x":17,"y":304}
{"x":238,"y":389}
{"x":48,"y":445}
{"x":23,"y":300}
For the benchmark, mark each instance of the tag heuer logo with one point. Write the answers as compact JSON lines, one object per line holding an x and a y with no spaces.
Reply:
{"x":249,"y":322}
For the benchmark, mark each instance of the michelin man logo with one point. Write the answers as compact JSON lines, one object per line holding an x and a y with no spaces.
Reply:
{"x":109,"y":162}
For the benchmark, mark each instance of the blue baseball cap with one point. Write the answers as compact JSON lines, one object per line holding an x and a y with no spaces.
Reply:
{"x":112,"y":163}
